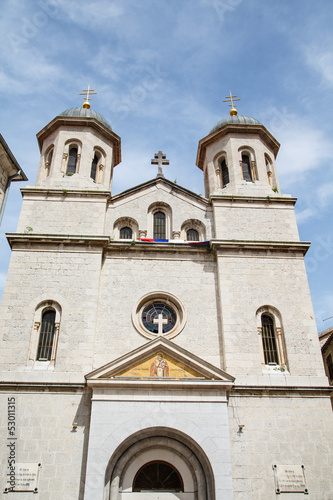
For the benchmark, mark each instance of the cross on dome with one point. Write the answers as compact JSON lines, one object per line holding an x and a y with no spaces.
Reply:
{"x":160,"y":321}
{"x":160,"y":159}
{"x":231,"y":98}
{"x":86,"y":93}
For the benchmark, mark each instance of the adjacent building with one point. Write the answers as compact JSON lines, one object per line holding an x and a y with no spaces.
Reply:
{"x":10,"y":171}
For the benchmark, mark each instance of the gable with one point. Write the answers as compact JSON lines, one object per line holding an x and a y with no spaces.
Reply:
{"x":138,"y":205}
{"x":159,"y":360}
{"x":160,"y":364}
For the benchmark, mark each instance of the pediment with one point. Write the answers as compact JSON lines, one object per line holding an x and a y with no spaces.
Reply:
{"x":159,"y":360}
{"x":166,"y":186}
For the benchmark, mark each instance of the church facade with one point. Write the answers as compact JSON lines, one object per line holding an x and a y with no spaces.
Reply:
{"x":155,"y":343}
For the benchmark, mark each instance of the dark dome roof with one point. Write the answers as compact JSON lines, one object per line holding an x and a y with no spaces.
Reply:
{"x":86,"y":113}
{"x":238,"y":119}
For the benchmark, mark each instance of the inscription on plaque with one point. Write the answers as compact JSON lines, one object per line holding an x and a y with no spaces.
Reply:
{"x":22,"y":477}
{"x":290,"y":479}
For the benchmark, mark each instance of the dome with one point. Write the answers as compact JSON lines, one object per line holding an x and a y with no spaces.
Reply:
{"x":238,"y":119}
{"x":86,"y":113}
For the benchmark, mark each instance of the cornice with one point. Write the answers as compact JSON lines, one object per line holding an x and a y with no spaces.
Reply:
{"x":89,"y":122}
{"x":285,"y":391}
{"x":110,"y":246}
{"x":56,"y":192}
{"x":52,"y":239}
{"x":238,"y":129}
{"x":248,"y":245}
{"x":263,"y":200}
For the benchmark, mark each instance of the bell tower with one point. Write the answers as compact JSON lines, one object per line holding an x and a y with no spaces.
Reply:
{"x":79,"y":151}
{"x":237,"y":158}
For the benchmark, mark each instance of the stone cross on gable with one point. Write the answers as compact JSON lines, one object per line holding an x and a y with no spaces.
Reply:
{"x":160,"y":321}
{"x":159,"y":159}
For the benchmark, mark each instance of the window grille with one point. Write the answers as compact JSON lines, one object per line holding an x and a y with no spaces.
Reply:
{"x":72,"y":161}
{"x":192,"y":235}
{"x":93,"y":170}
{"x":158,"y":476}
{"x":268,"y":340}
{"x":330,"y":366}
{"x":225,"y":173}
{"x":246,"y":168}
{"x":159,"y":226}
{"x":46,"y":336}
{"x":126,"y":233}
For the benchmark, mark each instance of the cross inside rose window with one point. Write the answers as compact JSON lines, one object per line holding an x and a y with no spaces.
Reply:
{"x":159,"y":318}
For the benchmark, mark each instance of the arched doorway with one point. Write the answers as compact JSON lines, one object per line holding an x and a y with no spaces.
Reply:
{"x":159,"y":464}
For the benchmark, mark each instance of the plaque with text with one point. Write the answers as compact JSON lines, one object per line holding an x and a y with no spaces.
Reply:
{"x":22,"y":477}
{"x":290,"y":479}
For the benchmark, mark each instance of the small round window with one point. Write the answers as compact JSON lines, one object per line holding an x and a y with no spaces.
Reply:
{"x":157,"y":314}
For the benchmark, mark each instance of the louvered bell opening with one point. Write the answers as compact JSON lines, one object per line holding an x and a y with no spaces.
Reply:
{"x":246,"y":168}
{"x":72,"y":160}
{"x":93,"y":170}
{"x":225,"y":173}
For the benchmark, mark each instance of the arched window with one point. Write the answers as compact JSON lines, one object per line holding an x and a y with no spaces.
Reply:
{"x":158,"y":476}
{"x":192,"y":235}
{"x":93,"y":170}
{"x":125,"y":233}
{"x":246,"y":167}
{"x":329,"y":365}
{"x":269,"y":340}
{"x":48,"y":160}
{"x":46,"y":335}
{"x":159,"y":226}
{"x":225,"y":173}
{"x":72,"y":160}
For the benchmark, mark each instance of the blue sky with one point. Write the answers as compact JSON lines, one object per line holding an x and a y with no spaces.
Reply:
{"x":162,"y":69}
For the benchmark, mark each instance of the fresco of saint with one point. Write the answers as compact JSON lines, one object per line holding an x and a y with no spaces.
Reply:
{"x":159,"y":367}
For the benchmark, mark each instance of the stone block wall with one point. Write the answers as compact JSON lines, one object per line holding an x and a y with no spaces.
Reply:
{"x":44,"y":431}
{"x":69,"y":277}
{"x":128,"y":275}
{"x":249,"y":280}
{"x":280,"y":429}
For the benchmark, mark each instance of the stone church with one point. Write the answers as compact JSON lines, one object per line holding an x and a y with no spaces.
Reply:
{"x":158,"y":344}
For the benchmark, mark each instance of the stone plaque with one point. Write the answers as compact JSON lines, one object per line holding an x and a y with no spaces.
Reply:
{"x":22,"y":477}
{"x":290,"y":479}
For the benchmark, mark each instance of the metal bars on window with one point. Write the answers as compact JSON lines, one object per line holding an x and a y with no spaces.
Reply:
{"x":126,"y":233}
{"x":159,"y":226}
{"x":46,"y":336}
{"x":192,"y":235}
{"x":269,"y":340}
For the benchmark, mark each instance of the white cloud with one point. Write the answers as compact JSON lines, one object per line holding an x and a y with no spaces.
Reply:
{"x":304,"y":148}
{"x":91,"y":15}
{"x":325,"y":194}
{"x":321,"y":60}
{"x":306,"y":214}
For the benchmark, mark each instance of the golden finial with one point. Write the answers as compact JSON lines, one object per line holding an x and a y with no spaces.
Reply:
{"x":231,"y":98}
{"x":86,"y":93}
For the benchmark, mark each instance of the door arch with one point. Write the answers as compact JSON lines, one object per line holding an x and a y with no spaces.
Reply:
{"x":159,"y":445}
